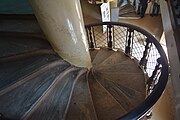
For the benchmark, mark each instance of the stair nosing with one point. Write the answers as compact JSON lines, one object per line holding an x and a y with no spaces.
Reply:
{"x":31,"y":76}
{"x":128,"y":86}
{"x":81,"y":72}
{"x":49,"y":89}
{"x":23,"y":34}
{"x":91,"y":94}
{"x":25,"y":55}
{"x":98,"y":55}
{"x":109,"y":93}
{"x":113,"y":96}
{"x":101,"y":64}
{"x":121,"y":63}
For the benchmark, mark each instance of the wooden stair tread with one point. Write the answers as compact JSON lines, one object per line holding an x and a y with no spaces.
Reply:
{"x":102,"y":55}
{"x":93,"y":53}
{"x":127,"y":66}
{"x":116,"y":74}
{"x":19,"y":25}
{"x":127,"y":97}
{"x":106,"y":106}
{"x":68,"y":92}
{"x":34,"y":75}
{"x":128,"y":11}
{"x":115,"y":58}
{"x":15,"y":45}
{"x":81,"y":105}
{"x":17,"y":102}
{"x":11,"y":72}
{"x":126,"y":79}
{"x":126,"y":8}
{"x":28,"y":55}
{"x":54,"y":103}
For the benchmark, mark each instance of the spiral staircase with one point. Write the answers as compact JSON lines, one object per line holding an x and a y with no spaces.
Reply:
{"x":37,"y":84}
{"x":127,"y":9}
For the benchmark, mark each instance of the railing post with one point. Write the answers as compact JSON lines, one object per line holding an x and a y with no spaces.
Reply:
{"x":90,"y":37}
{"x":129,"y":41}
{"x":109,"y":36}
{"x":151,"y":81}
{"x":144,"y":59}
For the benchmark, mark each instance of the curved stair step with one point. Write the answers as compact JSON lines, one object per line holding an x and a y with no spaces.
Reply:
{"x":14,"y":104}
{"x":93,"y":53}
{"x":102,"y":55}
{"x":81,"y":105}
{"x":15,"y":45}
{"x":115,"y":58}
{"x":128,"y":66}
{"x":128,"y":11}
{"x":106,"y":106}
{"x":126,"y":79}
{"x":14,"y":71}
{"x":27,"y":55}
{"x":126,"y":8}
{"x":33,"y":75}
{"x":19,"y":23}
{"x":127,"y":97}
{"x":129,"y":15}
{"x":54,"y":104}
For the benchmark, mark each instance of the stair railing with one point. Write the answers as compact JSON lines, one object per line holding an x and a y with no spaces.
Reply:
{"x":144,"y":59}
{"x":144,"y":48}
{"x":129,"y":41}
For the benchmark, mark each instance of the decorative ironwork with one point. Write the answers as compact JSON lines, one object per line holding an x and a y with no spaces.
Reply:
{"x":129,"y":41}
{"x":154,"y":77}
{"x":144,"y":59}
{"x":110,"y":36}
{"x":144,"y":48}
{"x":90,"y":37}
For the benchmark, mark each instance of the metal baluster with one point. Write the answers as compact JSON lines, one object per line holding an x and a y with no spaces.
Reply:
{"x":95,"y":46}
{"x":109,"y":38}
{"x":90,"y":37}
{"x":144,"y":59}
{"x":151,"y":81}
{"x":113,"y":38}
{"x":129,"y":39}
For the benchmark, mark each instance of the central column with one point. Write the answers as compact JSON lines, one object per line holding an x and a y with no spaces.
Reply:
{"x":62,"y":23}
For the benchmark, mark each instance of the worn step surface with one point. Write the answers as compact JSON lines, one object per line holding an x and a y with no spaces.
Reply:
{"x":116,"y":58}
{"x":54,"y":104}
{"x":127,"y":10}
{"x":21,"y":44}
{"x":93,"y":54}
{"x":19,"y":23}
{"x":81,"y":104}
{"x":126,"y":95}
{"x":16,"y":102}
{"x":102,"y":54}
{"x":37,"y":84}
{"x":14,"y":71}
{"x":106,"y":106}
{"x":122,"y":78}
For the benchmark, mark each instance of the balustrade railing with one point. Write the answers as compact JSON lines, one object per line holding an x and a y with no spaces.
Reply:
{"x":141,"y":46}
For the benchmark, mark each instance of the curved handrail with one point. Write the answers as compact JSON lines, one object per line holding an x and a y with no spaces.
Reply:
{"x":158,"y":89}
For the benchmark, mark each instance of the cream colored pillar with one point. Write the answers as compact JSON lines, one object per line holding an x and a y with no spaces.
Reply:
{"x":62,"y":23}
